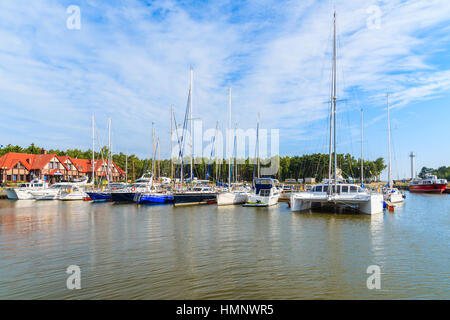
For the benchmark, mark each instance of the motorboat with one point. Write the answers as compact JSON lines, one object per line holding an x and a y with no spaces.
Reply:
{"x":265,"y":193}
{"x":430,"y":184}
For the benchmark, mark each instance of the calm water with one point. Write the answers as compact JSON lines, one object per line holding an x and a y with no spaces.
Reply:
{"x":208,"y":252}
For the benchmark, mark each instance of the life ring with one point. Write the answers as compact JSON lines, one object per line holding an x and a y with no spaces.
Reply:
{"x":114,"y":188}
{"x":133,"y":189}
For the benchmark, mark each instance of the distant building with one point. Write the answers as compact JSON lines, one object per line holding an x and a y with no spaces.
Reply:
{"x":310,"y":180}
{"x":16,"y":167}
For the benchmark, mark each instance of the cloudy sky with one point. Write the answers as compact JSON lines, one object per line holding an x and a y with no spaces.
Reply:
{"x":130,"y":61}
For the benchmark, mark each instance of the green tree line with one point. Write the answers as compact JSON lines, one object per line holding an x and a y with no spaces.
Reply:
{"x":441,"y":172}
{"x":296,"y":167}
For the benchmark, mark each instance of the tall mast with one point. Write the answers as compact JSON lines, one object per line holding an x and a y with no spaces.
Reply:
{"x":257,"y":144}
{"x":229,"y":135}
{"x":159,"y":168}
{"x":109,"y":150}
{"x":153,"y":151}
{"x":93,"y":151}
{"x":334,"y":104}
{"x":389,"y":143}
{"x":126,"y":168}
{"x":171,"y":142}
{"x":362,"y":155}
{"x":217,"y":133}
{"x":192,"y":132}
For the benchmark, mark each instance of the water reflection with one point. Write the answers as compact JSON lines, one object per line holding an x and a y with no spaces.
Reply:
{"x":231,"y":252}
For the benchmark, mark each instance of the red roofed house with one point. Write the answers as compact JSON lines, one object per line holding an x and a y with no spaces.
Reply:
{"x":16,"y":167}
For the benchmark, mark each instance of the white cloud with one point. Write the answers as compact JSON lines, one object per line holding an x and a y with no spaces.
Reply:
{"x":131,"y":62}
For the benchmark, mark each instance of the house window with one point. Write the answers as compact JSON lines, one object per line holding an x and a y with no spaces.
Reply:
{"x":50,"y":165}
{"x":15,"y":177}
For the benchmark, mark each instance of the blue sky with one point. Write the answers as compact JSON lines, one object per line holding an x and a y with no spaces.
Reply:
{"x":130,"y":61}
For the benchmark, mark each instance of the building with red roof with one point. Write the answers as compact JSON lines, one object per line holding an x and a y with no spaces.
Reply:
{"x":15,"y":167}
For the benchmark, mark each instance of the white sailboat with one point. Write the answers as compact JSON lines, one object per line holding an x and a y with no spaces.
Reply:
{"x":391,"y":195}
{"x":332,"y":193}
{"x":236,"y":194}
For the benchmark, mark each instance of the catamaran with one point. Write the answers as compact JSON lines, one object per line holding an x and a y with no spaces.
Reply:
{"x":332,"y":193}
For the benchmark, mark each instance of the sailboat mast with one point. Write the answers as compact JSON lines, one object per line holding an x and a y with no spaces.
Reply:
{"x":109,"y":149}
{"x":257,"y":143}
{"x":93,"y":151}
{"x":217,"y":133}
{"x":334,"y":104}
{"x":159,"y":167}
{"x":171,"y":142}
{"x":389,"y":143}
{"x":126,"y":168}
{"x":192,"y":132}
{"x":362,"y":145}
{"x":230,"y":136}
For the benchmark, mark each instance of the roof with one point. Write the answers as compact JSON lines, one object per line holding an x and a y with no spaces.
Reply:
{"x":39,"y":161}
{"x":10,"y":159}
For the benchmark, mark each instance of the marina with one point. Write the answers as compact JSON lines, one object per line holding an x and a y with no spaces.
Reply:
{"x":222,"y":252}
{"x":194,"y":150}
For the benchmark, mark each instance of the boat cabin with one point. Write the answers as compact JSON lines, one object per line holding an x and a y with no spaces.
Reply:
{"x":341,"y":188}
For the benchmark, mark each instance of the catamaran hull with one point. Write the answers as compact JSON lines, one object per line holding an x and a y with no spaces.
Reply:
{"x":185,"y":199}
{"x":231,"y":198}
{"x":370,"y":204}
{"x":428,"y":188}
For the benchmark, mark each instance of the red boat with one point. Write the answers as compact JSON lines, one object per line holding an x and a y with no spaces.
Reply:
{"x":431,"y":184}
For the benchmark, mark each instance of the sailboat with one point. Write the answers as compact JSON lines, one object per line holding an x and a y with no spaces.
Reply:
{"x":391,"y":195}
{"x":157,"y":195}
{"x":234,"y":194}
{"x":332,"y":193}
{"x":198,"y":194}
{"x":265,"y":192}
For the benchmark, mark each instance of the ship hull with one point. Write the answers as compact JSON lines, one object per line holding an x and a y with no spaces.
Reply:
{"x":123,"y":196}
{"x":100,"y":196}
{"x":184,"y":199}
{"x":154,"y":199}
{"x":428,"y":188}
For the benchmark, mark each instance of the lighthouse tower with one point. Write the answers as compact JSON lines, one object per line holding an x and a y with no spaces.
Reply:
{"x":412,"y":156}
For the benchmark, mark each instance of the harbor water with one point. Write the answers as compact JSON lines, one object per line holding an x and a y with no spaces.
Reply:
{"x":125,"y":251}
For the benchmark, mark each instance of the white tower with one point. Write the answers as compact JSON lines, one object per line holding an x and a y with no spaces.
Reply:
{"x":412,"y":155}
